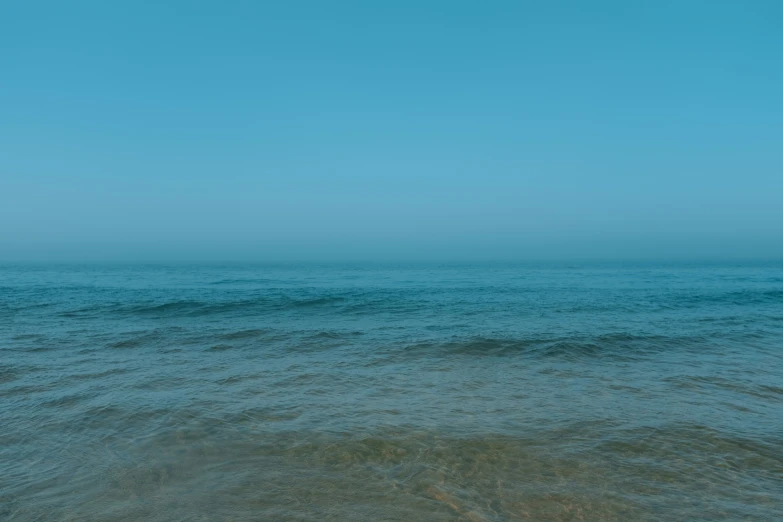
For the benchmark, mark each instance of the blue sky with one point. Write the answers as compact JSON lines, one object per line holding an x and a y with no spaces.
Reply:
{"x":391,"y":130}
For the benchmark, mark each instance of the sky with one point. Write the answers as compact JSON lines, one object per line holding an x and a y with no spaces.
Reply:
{"x":404,"y":130}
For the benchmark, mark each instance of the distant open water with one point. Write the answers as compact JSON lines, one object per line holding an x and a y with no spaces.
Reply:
{"x":357,"y":393}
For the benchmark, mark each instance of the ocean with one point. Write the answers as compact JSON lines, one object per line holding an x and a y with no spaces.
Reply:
{"x":373,"y":392}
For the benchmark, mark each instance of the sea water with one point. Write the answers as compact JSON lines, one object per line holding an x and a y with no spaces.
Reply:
{"x":309,"y":392}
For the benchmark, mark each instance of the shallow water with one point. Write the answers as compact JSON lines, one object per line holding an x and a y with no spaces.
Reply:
{"x":308,"y":392}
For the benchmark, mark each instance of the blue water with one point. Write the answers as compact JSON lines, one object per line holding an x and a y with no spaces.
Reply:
{"x":379,"y":392}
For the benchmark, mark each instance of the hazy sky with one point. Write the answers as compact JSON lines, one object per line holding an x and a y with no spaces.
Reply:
{"x":390,"y":130}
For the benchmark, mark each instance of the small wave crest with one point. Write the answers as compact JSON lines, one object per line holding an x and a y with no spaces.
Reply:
{"x":196,"y":308}
{"x":616,"y":345}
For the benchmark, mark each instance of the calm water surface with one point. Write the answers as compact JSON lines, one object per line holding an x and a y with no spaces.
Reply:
{"x":309,"y":393}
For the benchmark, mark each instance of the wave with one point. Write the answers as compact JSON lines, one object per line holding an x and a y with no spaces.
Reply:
{"x":741,"y":297}
{"x":219,"y":348}
{"x":241,"y":281}
{"x":137,"y":339}
{"x":252,"y":333}
{"x":712,"y":383}
{"x":200,"y":308}
{"x":615,"y":345}
{"x":7,"y":374}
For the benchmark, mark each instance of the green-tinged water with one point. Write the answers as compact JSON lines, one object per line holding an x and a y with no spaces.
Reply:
{"x":368,"y":392}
